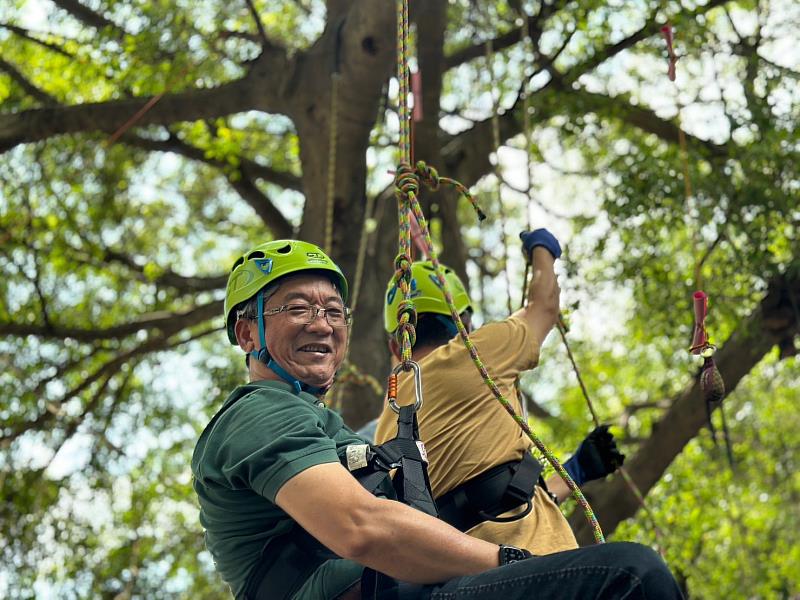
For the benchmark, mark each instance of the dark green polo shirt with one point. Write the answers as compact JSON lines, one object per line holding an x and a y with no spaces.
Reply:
{"x":263,"y":435}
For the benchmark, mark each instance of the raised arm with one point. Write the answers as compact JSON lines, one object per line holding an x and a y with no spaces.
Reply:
{"x":541,"y":249}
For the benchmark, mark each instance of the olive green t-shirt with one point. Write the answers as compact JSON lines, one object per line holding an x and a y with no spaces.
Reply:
{"x":264,"y":435}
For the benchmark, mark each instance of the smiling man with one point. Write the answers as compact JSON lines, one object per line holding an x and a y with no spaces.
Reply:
{"x":285,"y":519}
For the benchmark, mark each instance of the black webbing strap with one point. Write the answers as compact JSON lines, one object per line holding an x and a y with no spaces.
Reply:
{"x":285,"y":564}
{"x":405,"y":452}
{"x":492,"y":493}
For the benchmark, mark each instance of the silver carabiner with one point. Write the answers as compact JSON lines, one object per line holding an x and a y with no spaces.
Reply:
{"x":417,"y":385}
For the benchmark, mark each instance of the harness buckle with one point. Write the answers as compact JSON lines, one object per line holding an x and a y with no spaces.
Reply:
{"x":414,"y":367}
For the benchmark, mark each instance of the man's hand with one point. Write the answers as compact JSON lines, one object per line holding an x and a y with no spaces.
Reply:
{"x":539,"y":237}
{"x":596,"y":457}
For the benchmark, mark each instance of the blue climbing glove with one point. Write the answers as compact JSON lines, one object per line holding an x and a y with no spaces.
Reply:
{"x":540,"y":237}
{"x":596,"y":457}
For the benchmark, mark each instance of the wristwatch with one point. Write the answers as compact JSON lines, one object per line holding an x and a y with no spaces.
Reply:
{"x":512,"y":554}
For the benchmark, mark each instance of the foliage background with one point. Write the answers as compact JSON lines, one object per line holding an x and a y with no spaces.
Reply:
{"x":114,"y":255}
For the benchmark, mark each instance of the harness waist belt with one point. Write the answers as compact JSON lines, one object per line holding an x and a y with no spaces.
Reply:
{"x":492,"y":493}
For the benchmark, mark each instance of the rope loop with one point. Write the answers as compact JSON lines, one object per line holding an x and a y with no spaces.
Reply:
{"x":404,"y":329}
{"x":402,"y":265}
{"x":406,"y":181}
{"x":428,"y":175}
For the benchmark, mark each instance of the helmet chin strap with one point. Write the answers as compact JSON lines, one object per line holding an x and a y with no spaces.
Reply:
{"x":262,"y":356}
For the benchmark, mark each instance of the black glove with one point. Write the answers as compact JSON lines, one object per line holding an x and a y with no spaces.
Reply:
{"x":540,"y":237}
{"x":596,"y":457}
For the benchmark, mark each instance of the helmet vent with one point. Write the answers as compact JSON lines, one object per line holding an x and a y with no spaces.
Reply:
{"x":256,"y":254}
{"x":285,"y":249}
{"x":239,"y":261}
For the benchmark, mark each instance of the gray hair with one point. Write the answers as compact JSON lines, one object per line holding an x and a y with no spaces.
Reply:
{"x":249,"y":308}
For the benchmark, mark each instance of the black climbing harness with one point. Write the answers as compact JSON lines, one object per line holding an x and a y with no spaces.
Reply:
{"x":288,"y":560}
{"x":495,"y":491}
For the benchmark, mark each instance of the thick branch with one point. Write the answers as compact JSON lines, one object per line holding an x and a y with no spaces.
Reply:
{"x":241,"y":180}
{"x":617,"y":107}
{"x":106,"y":370}
{"x":248,"y":167}
{"x":772,"y":322}
{"x":169,"y":278}
{"x":86,"y":15}
{"x":260,"y":89}
{"x":467,"y":153}
{"x":25,"y":34}
{"x":166,"y":322}
{"x":506,"y":40}
{"x":26,"y":85}
{"x":264,"y":207}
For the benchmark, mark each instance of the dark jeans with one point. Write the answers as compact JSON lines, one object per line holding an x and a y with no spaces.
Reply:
{"x":613,"y":570}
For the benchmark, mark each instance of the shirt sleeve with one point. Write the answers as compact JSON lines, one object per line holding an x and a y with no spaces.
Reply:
{"x":506,"y":347}
{"x":265,"y":439}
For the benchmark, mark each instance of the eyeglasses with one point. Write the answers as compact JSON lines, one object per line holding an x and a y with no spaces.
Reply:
{"x":303,"y":314}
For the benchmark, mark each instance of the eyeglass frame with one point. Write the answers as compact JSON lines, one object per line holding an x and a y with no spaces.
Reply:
{"x":348,"y":314}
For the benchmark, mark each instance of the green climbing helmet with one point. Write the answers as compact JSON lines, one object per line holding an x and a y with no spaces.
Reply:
{"x":426,"y":292}
{"x":268,"y":262}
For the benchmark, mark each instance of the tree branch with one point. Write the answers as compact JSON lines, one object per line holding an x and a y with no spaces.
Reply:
{"x":241,"y":179}
{"x":262,"y":34}
{"x":26,"y":85}
{"x":169,"y":277}
{"x":247,"y":166}
{"x":106,"y":370}
{"x":25,"y":34}
{"x":88,"y":16}
{"x":506,"y":40}
{"x":770,"y":324}
{"x":260,"y":89}
{"x":165,"y":322}
{"x":264,"y":207}
{"x":617,"y":107}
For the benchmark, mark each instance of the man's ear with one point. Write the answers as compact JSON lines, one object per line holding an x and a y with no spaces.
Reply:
{"x":245,"y":334}
{"x":466,"y":319}
{"x":394,"y":347}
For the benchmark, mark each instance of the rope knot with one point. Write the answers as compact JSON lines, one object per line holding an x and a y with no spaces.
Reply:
{"x":406,"y":181}
{"x":403,"y":330}
{"x":428,"y":175}
{"x":402,"y":274}
{"x":407,"y":313}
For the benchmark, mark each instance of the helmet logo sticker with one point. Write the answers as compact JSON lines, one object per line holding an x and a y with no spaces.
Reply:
{"x":393,"y":292}
{"x":264,"y":265}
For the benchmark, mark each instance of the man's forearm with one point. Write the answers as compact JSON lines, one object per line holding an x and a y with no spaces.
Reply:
{"x":412,"y":546}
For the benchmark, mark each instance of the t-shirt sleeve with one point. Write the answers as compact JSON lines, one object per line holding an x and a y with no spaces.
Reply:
{"x":266,"y":439}
{"x":507,"y":347}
